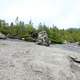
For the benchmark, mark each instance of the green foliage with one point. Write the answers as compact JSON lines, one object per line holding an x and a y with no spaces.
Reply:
{"x":55,"y":36}
{"x":28,"y":32}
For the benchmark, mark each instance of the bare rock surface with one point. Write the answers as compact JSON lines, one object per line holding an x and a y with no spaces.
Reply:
{"x":21,"y":60}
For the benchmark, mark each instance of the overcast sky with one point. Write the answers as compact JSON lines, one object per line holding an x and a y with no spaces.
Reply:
{"x":62,"y":13}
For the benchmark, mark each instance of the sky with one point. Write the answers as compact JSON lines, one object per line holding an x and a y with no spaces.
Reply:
{"x":61,"y":13}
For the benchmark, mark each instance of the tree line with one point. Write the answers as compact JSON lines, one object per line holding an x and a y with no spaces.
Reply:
{"x":20,"y":30}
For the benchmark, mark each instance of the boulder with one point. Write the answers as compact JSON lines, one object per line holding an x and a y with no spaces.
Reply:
{"x":43,"y":38}
{"x":2,"y":36}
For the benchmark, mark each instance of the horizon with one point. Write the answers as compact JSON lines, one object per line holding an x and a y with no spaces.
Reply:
{"x":61,"y":13}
